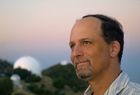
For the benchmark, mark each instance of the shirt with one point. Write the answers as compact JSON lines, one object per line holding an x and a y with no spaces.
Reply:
{"x":120,"y":86}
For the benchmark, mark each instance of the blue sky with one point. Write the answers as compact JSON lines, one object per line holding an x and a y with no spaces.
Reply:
{"x":41,"y":29}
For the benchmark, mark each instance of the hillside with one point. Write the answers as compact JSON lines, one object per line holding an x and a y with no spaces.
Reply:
{"x":65,"y":76}
{"x":55,"y":80}
{"x":6,"y":68}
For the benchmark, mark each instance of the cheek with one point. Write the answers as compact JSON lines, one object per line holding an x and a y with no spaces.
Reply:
{"x":100,"y":61}
{"x":95,"y":58}
{"x":71,"y":57}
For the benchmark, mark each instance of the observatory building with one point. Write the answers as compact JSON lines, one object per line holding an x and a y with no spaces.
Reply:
{"x":28,"y":63}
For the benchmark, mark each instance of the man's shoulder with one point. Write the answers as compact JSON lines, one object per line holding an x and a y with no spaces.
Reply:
{"x":132,"y":88}
{"x":123,"y":86}
{"x":134,"y":85}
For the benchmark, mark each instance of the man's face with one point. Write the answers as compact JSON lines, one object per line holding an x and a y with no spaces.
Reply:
{"x":89,"y":52}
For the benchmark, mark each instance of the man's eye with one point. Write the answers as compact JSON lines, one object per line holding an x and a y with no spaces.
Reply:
{"x":71,"y":46}
{"x":86,"y":42}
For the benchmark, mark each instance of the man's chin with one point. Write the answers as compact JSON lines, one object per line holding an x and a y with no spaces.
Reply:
{"x":83,"y":76}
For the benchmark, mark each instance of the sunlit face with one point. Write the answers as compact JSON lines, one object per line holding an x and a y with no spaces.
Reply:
{"x":89,"y":51}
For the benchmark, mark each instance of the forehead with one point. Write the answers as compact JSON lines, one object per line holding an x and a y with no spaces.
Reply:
{"x":88,"y":21}
{"x":87,"y":27}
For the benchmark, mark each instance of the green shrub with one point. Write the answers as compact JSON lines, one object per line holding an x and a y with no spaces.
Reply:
{"x":6,"y":86}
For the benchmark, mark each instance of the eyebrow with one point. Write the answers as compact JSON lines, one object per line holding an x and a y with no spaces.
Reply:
{"x":83,"y":39}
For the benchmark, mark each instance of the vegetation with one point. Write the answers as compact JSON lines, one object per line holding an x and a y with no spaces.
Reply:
{"x":56,"y":80}
{"x":26,"y":75}
{"x":6,"y":68}
{"x":6,"y":86}
{"x":65,"y":76}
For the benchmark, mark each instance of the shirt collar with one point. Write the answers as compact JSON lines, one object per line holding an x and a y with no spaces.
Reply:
{"x":88,"y":91}
{"x":118,"y":84}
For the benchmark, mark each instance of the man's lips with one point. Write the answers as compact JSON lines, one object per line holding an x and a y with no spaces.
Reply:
{"x":81,"y":64}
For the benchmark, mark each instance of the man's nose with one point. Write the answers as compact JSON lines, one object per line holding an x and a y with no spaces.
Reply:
{"x":78,"y":51}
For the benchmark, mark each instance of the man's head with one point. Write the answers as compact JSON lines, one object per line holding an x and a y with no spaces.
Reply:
{"x":112,"y":30}
{"x":96,"y":41}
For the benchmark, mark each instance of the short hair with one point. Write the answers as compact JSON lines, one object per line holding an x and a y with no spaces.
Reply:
{"x":111,"y":29}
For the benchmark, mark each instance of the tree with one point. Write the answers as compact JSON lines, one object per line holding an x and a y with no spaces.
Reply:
{"x":6,"y":86}
{"x":6,"y":68}
{"x":33,"y":78}
{"x":65,"y":75}
{"x":23,"y":73}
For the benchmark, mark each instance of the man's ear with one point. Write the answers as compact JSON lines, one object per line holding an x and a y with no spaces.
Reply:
{"x":114,"y":48}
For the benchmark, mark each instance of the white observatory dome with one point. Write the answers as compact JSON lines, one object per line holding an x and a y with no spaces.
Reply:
{"x":15,"y":77}
{"x":64,"y":62}
{"x":28,"y":63}
{"x":16,"y":80}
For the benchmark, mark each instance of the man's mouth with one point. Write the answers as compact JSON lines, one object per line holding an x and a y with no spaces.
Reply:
{"x":81,"y":64}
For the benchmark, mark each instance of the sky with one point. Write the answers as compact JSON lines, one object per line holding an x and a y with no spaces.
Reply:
{"x":41,"y":29}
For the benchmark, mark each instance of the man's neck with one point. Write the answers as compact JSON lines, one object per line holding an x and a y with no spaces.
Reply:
{"x":100,"y":84}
